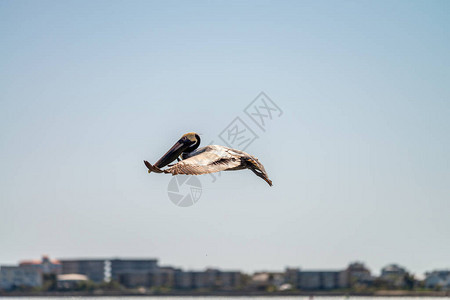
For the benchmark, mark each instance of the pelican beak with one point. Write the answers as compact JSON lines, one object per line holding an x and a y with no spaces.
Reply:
{"x":259,"y":170}
{"x":174,"y":152}
{"x":267,"y":180}
{"x":265,"y":177}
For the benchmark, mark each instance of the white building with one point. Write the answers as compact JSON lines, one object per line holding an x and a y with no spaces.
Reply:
{"x":438,"y":279}
{"x":70,"y":281}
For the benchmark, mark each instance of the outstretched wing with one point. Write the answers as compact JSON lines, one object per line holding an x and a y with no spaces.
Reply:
{"x":208,"y":160}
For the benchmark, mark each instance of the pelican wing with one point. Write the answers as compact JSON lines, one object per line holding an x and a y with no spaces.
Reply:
{"x":206,"y":160}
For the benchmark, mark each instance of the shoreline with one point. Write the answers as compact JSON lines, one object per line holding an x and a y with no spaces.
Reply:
{"x":228,"y":294}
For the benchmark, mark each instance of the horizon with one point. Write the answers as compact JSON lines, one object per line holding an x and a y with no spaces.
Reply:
{"x":157,"y":259}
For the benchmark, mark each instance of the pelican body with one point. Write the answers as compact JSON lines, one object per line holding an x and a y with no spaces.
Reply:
{"x":209,"y":159}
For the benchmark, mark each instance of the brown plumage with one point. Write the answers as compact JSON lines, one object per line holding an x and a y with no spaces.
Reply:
{"x":210,"y":159}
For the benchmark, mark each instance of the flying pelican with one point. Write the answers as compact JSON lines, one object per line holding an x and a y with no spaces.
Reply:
{"x":209,"y":159}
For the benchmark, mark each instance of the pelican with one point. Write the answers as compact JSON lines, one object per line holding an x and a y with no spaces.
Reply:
{"x":209,"y":159}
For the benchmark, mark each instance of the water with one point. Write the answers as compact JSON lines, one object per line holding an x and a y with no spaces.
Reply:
{"x":235,"y":298}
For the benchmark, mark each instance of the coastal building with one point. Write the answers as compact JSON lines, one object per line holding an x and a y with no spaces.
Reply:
{"x":164,"y":277}
{"x":314,"y":280}
{"x":230,"y":280}
{"x":356,"y":274}
{"x":70,"y":281}
{"x":200,"y":280}
{"x":183,"y":280}
{"x":318,"y":280}
{"x":43,"y":266}
{"x":291,"y":276}
{"x":212,"y":279}
{"x":135,"y":273}
{"x":393,"y":275}
{"x":267,"y":280}
{"x":192,"y":280}
{"x":12,"y":277}
{"x":134,"y":280}
{"x":129,"y":271}
{"x":393,"y":270}
{"x":121,"y":267}
{"x":260,"y":281}
{"x":438,"y":279}
{"x":94,"y":269}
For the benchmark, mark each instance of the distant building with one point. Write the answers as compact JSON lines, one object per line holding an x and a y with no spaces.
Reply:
{"x":260,"y":281}
{"x":264,"y":280}
{"x":230,"y":280}
{"x":44,"y":266}
{"x":439,"y":279}
{"x":183,"y":280}
{"x":12,"y":277}
{"x":356,"y":274}
{"x":319,"y":280}
{"x":209,"y":279}
{"x":122,"y":267}
{"x":393,"y":270}
{"x":164,"y":277}
{"x":200,"y":280}
{"x":134,"y":280}
{"x":94,"y":269}
{"x":222,"y":280}
{"x":314,"y":280}
{"x":130,"y":272}
{"x":291,"y":276}
{"x":393,"y":275}
{"x":70,"y":281}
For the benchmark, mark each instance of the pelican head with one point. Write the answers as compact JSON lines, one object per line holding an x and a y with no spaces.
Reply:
{"x":187,"y":143}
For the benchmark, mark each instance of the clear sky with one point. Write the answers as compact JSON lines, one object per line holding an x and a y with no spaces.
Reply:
{"x":359,"y":159}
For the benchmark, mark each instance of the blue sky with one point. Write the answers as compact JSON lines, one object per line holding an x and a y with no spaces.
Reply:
{"x":360,"y":158}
